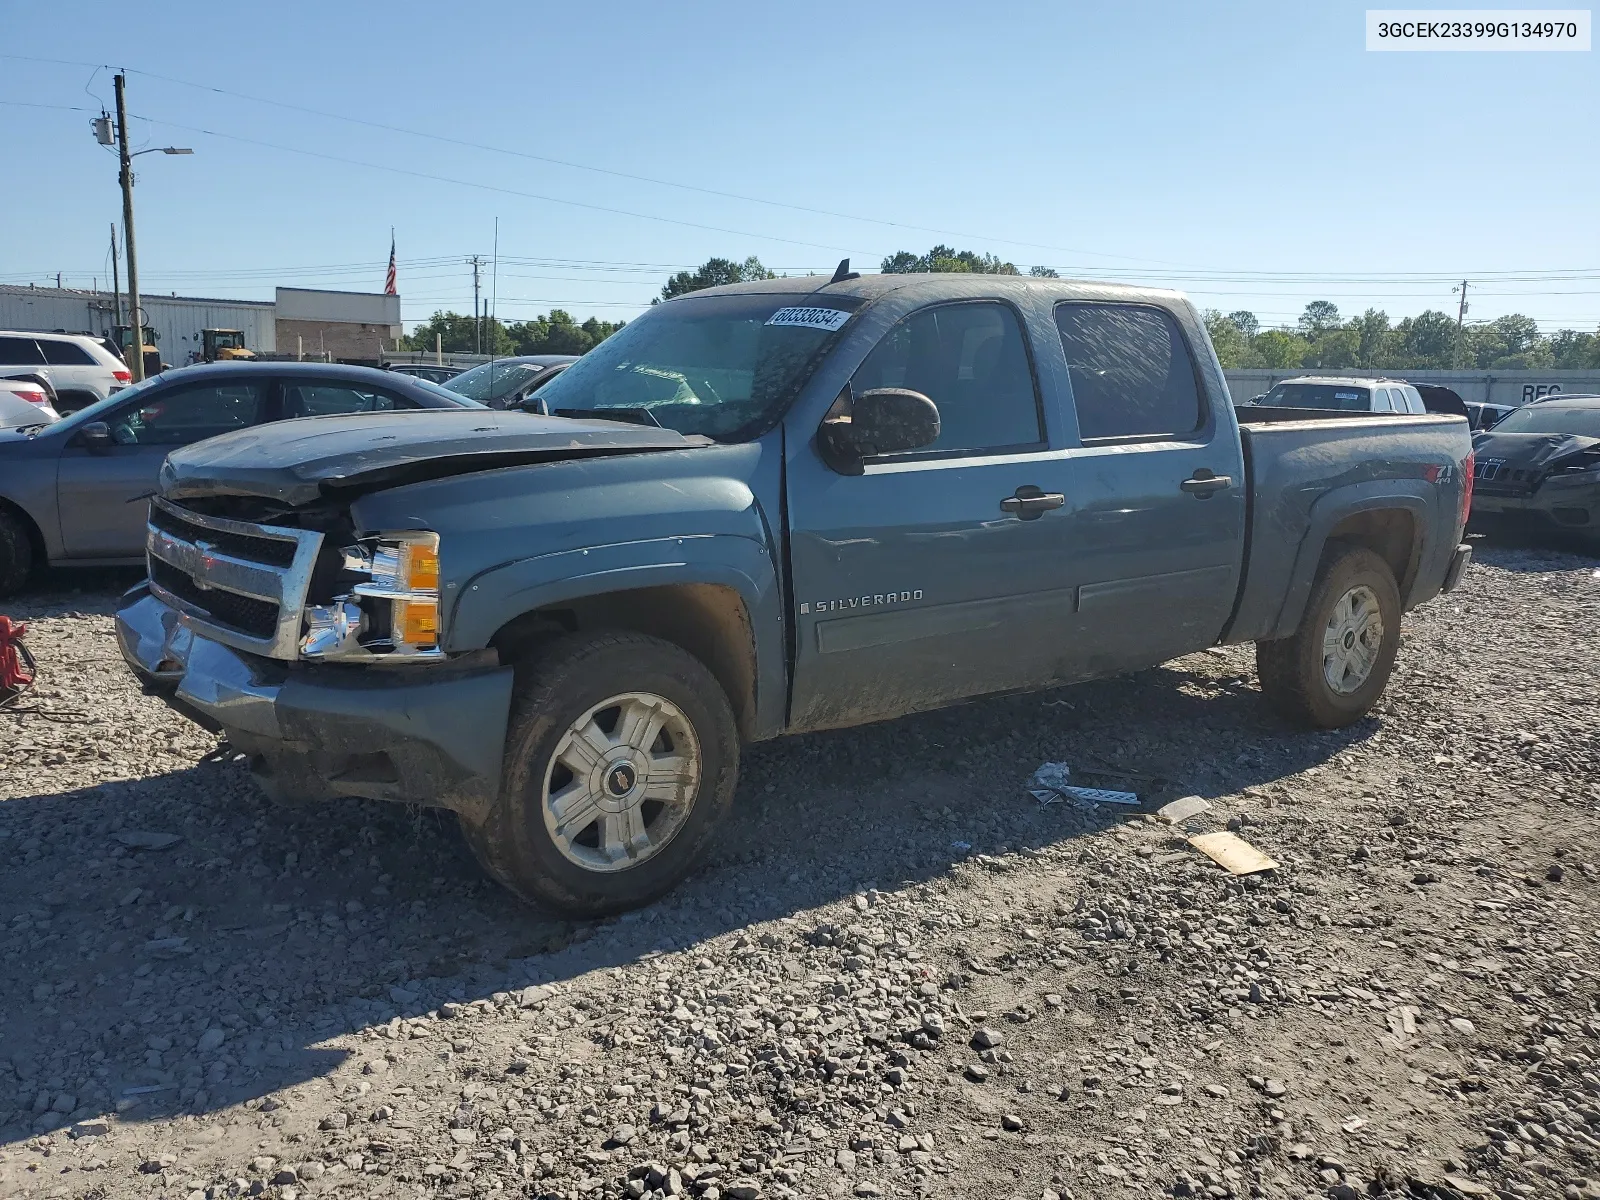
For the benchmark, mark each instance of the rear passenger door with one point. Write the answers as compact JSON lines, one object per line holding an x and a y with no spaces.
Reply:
{"x":1157,"y":489}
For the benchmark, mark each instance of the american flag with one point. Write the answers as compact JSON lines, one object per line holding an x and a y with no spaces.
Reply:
{"x":389,"y":288}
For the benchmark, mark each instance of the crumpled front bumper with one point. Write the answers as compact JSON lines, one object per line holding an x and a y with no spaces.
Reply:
{"x":1570,"y":502}
{"x":431,"y":734}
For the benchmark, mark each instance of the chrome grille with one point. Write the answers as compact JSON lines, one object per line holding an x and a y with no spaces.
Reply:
{"x":236,"y":582}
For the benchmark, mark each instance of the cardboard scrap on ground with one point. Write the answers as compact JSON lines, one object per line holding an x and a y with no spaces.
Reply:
{"x":1232,"y":853}
{"x":1182,"y":809}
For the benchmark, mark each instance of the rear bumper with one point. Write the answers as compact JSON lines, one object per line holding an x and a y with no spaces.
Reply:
{"x":420,"y":734}
{"x":1458,"y":564}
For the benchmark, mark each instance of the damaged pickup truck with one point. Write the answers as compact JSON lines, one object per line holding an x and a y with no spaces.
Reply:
{"x":1540,"y":468}
{"x":768,"y":508}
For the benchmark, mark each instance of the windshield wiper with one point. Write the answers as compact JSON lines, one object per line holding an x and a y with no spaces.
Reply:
{"x":632,"y":416}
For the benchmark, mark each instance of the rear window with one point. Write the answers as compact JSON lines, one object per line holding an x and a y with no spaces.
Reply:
{"x":66,"y":354}
{"x":20,"y":352}
{"x":1131,"y":372}
{"x":1320,"y":395}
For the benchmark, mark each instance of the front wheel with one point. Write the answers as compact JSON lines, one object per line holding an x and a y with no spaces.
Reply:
{"x":621,"y":759}
{"x":1331,"y":671}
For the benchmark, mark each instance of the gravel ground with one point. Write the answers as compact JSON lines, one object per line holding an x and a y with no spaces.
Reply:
{"x":899,"y":975}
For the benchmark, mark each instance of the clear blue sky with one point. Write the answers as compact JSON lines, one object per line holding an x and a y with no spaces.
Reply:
{"x":1228,"y":149}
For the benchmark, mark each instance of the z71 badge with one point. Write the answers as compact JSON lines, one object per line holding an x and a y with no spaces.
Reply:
{"x":876,"y":600}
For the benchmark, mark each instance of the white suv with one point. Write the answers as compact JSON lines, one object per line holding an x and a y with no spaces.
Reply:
{"x":78,"y":366}
{"x":1351,"y":395}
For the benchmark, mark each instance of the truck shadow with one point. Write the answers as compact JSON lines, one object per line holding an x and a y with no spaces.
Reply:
{"x":219,"y":970}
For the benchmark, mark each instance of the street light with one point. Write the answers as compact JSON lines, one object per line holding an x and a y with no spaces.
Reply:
{"x":125,"y":176}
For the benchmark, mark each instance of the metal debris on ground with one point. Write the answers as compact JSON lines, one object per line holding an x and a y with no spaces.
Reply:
{"x":144,"y":839}
{"x":1232,"y":853}
{"x":1182,"y":809}
{"x":1049,"y":786}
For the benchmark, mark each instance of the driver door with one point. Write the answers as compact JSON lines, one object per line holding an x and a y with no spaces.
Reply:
{"x":103,"y":492}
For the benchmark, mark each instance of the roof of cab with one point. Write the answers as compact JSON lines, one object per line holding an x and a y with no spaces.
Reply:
{"x":931,"y":285}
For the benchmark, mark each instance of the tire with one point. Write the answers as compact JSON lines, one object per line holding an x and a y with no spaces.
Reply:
{"x":590,"y":870}
{"x":16,"y":554}
{"x":1353,"y":587}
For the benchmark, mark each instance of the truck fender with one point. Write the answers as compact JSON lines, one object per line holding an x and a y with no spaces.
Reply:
{"x":491,"y":599}
{"x":1338,"y":505}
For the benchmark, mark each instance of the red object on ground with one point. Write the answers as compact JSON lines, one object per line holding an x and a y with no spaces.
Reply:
{"x":16,"y":664}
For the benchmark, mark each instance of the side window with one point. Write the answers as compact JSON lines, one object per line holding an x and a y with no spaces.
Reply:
{"x":1131,"y":372}
{"x":329,"y":399}
{"x":970,"y":360}
{"x":1381,"y":401}
{"x":65,"y":354}
{"x":20,"y":352}
{"x":184,"y":415}
{"x":1414,"y":402}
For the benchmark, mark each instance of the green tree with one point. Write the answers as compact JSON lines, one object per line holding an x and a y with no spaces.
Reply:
{"x":1339,"y":347}
{"x":1423,"y":341}
{"x":1278,"y":348}
{"x":559,"y":333}
{"x":1319,"y":317}
{"x":715,"y":272}
{"x":1511,"y":342}
{"x":1574,"y":351}
{"x":1228,"y":340}
{"x":1245,"y":321}
{"x":1373,"y":337}
{"x":457,"y":335}
{"x":1044,"y":272}
{"x":946,"y":259}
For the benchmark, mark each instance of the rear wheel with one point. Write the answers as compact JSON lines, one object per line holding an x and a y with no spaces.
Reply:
{"x":621,"y":758}
{"x":1332,"y":670}
{"x":16,"y":554}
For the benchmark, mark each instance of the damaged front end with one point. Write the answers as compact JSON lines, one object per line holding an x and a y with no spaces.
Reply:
{"x":1547,"y":479}
{"x":315,"y":649}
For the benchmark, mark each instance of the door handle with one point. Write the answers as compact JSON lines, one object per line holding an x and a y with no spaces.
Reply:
{"x":1203,"y":484}
{"x":1030,"y":503}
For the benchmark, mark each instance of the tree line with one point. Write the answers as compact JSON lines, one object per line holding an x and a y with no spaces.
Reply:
{"x":558,"y":332}
{"x":1321,"y":338}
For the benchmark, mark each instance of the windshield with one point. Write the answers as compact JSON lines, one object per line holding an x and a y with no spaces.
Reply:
{"x":721,"y":366}
{"x":1542,"y":418}
{"x":495,"y":380}
{"x":1319,"y":395}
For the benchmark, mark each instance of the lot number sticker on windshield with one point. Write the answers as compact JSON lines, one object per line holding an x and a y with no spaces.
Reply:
{"x":812,"y":318}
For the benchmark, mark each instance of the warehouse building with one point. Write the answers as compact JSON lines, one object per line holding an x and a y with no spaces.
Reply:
{"x":299,"y":322}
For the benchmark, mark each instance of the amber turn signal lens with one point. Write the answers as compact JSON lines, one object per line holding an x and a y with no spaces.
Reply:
{"x":421,"y":568}
{"x":419,"y":623}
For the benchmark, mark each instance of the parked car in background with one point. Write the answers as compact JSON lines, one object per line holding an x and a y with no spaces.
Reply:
{"x":1540,"y":466}
{"x":432,"y":372}
{"x":79,"y":366}
{"x":831,"y":503}
{"x":1487,"y":416}
{"x":509,"y":382}
{"x":1439,"y":399}
{"x":23,"y":402}
{"x":75,"y":492}
{"x":1344,"y":395}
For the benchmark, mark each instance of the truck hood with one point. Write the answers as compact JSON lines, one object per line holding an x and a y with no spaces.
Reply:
{"x":297,"y":462}
{"x":1531,"y":451}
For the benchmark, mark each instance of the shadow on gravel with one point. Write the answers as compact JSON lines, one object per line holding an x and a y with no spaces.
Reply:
{"x":1533,"y":551}
{"x":190,"y":978}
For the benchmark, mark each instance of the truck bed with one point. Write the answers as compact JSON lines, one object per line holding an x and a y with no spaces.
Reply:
{"x":1305,"y":464}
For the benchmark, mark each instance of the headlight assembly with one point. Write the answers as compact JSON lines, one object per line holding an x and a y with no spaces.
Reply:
{"x":393,"y":612}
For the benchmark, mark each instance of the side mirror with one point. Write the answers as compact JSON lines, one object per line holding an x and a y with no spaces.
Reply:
{"x":96,"y":435}
{"x":880,"y":421}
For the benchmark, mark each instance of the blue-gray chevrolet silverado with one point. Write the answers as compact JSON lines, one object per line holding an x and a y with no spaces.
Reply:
{"x":762,"y":509}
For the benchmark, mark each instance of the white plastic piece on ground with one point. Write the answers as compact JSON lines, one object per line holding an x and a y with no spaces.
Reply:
{"x":1049,"y":786}
{"x":1182,"y":809}
{"x":1101,"y":795}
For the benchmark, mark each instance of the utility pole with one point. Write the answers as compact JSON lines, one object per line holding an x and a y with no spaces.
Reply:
{"x":477,"y":321}
{"x":136,"y":365}
{"x":1461,"y":317}
{"x":116,"y":283}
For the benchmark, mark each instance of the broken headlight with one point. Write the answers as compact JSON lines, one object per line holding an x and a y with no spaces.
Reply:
{"x":393,"y":609}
